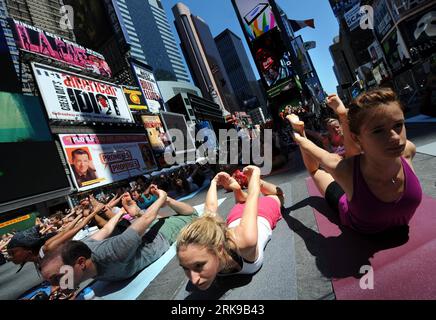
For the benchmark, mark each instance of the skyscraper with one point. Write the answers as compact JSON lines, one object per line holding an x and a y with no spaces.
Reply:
{"x":151,"y":39}
{"x":203,"y":58}
{"x":239,"y":71}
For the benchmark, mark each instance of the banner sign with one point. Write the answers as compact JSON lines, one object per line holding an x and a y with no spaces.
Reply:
{"x":401,"y":8}
{"x":257,"y":17}
{"x":71,"y":97}
{"x":98,"y":160}
{"x":148,"y":85}
{"x":341,"y":6}
{"x":382,"y":19}
{"x":352,"y":17}
{"x":135,"y":98}
{"x":419,"y":32}
{"x":177,"y":121}
{"x":274,"y":63}
{"x":35,"y":40}
{"x":158,"y":137}
{"x":301,"y":54}
{"x":395,"y":52}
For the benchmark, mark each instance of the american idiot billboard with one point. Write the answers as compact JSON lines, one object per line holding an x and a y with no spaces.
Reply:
{"x":98,"y":160}
{"x":35,"y":40}
{"x":70,"y":97}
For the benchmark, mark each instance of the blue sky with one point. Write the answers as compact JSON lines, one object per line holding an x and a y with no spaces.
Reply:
{"x":219,"y":15}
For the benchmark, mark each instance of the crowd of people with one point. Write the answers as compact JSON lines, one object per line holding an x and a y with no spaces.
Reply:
{"x":133,"y":228}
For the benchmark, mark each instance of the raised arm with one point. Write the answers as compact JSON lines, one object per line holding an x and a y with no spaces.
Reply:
{"x":68,"y":235}
{"x":109,"y":227}
{"x":211,"y":204}
{"x":141,"y":224}
{"x":246,"y":231}
{"x":336,"y":104}
{"x":329,"y":161}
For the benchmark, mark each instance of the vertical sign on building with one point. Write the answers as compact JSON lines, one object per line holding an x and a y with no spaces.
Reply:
{"x":148,"y":85}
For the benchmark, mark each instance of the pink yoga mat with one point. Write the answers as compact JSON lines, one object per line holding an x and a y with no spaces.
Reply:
{"x":401,"y":271}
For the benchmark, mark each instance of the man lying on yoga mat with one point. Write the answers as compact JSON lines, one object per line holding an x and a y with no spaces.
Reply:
{"x":209,"y":247}
{"x":374,"y":190}
{"x":121,"y":257}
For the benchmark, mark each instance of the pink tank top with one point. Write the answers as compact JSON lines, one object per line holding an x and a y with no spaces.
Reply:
{"x":367,"y":214}
{"x":266,"y":207}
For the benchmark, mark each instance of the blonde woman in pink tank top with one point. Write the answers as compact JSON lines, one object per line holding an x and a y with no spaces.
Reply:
{"x":210,"y":247}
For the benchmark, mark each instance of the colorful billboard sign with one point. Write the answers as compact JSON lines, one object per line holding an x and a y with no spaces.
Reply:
{"x":98,"y":160}
{"x":257,"y":17}
{"x":158,"y":137}
{"x":70,"y":97}
{"x":35,"y":40}
{"x":135,"y":98}
{"x":273,"y":62}
{"x":148,"y":85}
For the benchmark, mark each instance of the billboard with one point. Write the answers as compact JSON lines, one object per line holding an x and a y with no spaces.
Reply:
{"x":148,"y":85}
{"x":257,"y":17}
{"x":395,"y":52}
{"x":30,"y":164}
{"x":158,"y":137}
{"x":135,"y":99}
{"x":273,"y":62}
{"x":35,"y":40}
{"x":401,"y":8}
{"x":382,"y":19}
{"x":98,"y":160}
{"x":70,"y":97}
{"x":419,"y":32}
{"x":352,"y":17}
{"x":177,"y":121}
{"x":9,"y":80}
{"x":339,"y":7}
{"x":302,"y":55}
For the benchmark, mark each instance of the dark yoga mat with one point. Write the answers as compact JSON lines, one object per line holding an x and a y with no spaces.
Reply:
{"x":403,"y":263}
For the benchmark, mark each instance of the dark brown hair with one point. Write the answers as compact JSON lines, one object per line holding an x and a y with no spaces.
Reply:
{"x":364,"y":103}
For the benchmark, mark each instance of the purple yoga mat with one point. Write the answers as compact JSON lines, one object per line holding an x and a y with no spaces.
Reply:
{"x":401,"y":271}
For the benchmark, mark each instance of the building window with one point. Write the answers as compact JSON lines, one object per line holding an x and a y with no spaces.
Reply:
{"x":187,"y":101}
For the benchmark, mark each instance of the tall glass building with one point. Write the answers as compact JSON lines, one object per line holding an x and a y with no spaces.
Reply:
{"x":239,"y":71}
{"x":151,"y":38}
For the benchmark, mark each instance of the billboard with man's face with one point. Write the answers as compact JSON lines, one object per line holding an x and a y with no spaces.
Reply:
{"x":98,"y":160}
{"x":70,"y":97}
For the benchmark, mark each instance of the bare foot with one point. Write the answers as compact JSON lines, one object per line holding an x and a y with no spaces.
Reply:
{"x":335,"y":103}
{"x":227,"y":182}
{"x":296,"y":123}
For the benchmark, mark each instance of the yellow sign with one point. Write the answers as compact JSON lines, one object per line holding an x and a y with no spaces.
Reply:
{"x":14,"y":221}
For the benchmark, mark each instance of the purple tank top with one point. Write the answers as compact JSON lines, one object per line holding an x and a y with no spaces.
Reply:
{"x":367,"y":214}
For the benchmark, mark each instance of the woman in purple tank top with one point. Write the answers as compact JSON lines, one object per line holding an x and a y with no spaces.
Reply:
{"x":375,"y":187}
